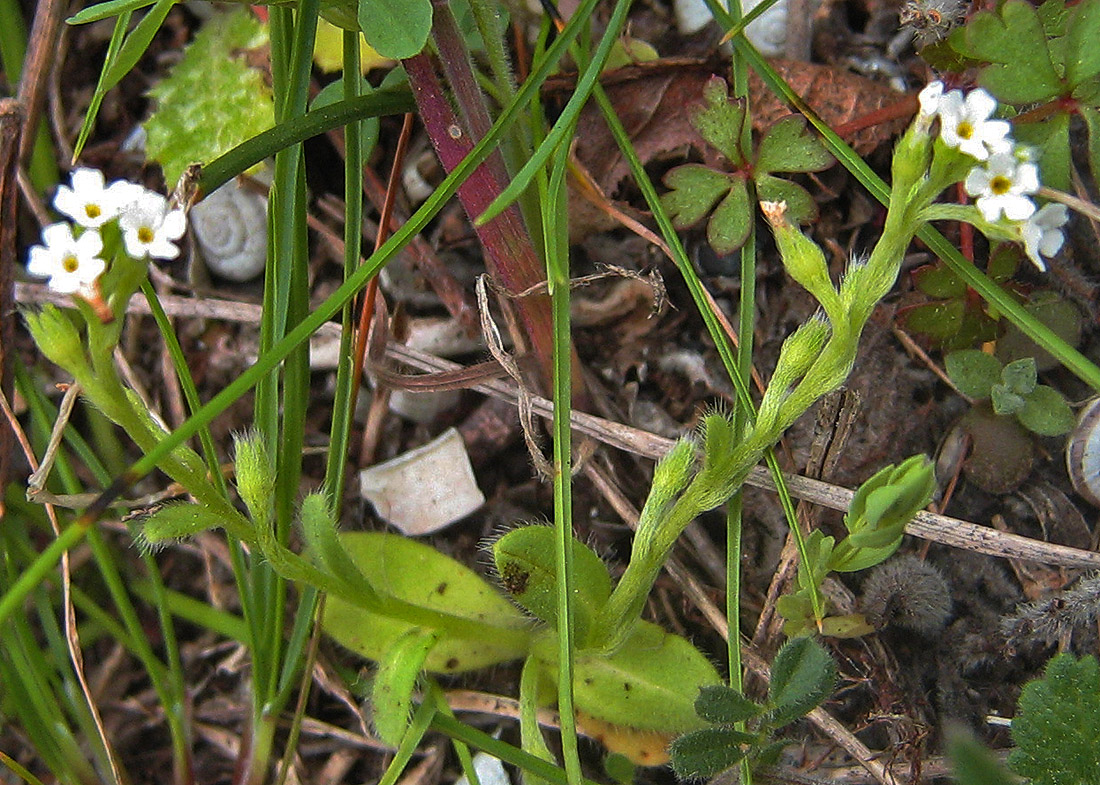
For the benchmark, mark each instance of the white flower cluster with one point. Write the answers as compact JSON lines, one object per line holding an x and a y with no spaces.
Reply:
{"x":72,"y":263}
{"x":1006,"y":178}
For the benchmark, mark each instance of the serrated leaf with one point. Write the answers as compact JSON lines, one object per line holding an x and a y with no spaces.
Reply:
{"x":803,"y":676}
{"x":1020,"y":376}
{"x":721,"y":120}
{"x":1055,"y":724}
{"x":719,"y":703}
{"x":1046,"y":412}
{"x":416,"y":573}
{"x":212,"y":100}
{"x":731,"y":221}
{"x":801,"y":207}
{"x":706,"y":752}
{"x":396,"y":28}
{"x":695,"y":191}
{"x":789,"y":146}
{"x":394,"y":682}
{"x":1051,"y":139}
{"x":1014,"y":42}
{"x":1082,"y":55}
{"x":973,"y":372}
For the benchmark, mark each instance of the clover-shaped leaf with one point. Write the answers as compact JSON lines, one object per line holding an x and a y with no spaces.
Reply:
{"x":695,"y":190}
{"x":1014,"y":42}
{"x":721,"y":121}
{"x":788,"y":146}
{"x":801,"y":207}
{"x":1082,"y":55}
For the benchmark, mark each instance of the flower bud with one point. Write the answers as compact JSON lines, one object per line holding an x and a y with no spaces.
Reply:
{"x":58,"y":339}
{"x":255,"y":474}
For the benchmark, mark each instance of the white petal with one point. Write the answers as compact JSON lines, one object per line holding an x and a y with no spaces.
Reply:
{"x":1027,"y":178}
{"x":90,"y":180}
{"x":977,"y":182}
{"x":161,"y":248}
{"x":64,"y":284}
{"x":1017,"y":208}
{"x":175,"y":224}
{"x":42,"y":263}
{"x":58,"y":234}
{"x":930,"y":97}
{"x":90,"y":269}
{"x":89,"y":244}
{"x":980,"y":104}
{"x":990,"y":207}
{"x":135,"y":247}
{"x":1051,"y":242}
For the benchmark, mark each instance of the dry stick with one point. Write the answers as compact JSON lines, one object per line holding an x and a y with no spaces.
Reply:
{"x":37,"y":66}
{"x":11,"y":120}
{"x":72,"y":637}
{"x":929,"y":526}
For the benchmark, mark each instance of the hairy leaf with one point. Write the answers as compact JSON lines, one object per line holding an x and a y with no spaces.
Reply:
{"x":803,"y":676}
{"x":394,"y":682}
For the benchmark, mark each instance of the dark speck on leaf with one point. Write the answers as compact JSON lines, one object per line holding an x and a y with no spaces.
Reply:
{"x":451,"y":664}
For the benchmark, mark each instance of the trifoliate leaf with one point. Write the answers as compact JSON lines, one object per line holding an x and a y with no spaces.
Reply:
{"x":721,"y":121}
{"x":1046,"y":412}
{"x":695,"y":190}
{"x":705,"y":752}
{"x":801,"y":207}
{"x":1014,"y":42}
{"x":1055,"y":724}
{"x":789,"y":146}
{"x":728,"y":228}
{"x":721,"y":704}
{"x":213,"y":100}
{"x":973,"y":372}
{"x":803,"y":676}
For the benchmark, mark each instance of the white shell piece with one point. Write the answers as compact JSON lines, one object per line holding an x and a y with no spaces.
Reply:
{"x":230,"y":227}
{"x":425,"y":489}
{"x":691,"y":15}
{"x":490,"y":771}
{"x":1083,"y":453}
{"x":422,"y":407}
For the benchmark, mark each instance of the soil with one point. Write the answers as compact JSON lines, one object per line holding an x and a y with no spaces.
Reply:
{"x":901,"y":688}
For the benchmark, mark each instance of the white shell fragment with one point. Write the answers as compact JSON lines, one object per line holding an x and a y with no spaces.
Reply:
{"x":230,"y":227}
{"x":1083,"y":453}
{"x":425,"y":489}
{"x":768,"y":33}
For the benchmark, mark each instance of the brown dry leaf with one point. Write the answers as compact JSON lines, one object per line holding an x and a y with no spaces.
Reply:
{"x":654,"y":100}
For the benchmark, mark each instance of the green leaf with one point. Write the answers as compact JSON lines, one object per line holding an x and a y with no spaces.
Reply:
{"x":212,"y":100}
{"x":1060,"y":315}
{"x":729,"y":226}
{"x":1051,"y":139}
{"x":801,"y":207}
{"x":938,"y":280}
{"x":803,"y":676}
{"x":719,"y":703}
{"x":695,"y":190}
{"x":525,"y":563}
{"x":1005,"y":402}
{"x":1020,"y":376}
{"x":1082,"y":55}
{"x":394,"y":682}
{"x":1046,"y":412}
{"x":94,"y":13}
{"x":1055,"y":724}
{"x":396,"y":28}
{"x":973,"y":372}
{"x":136,"y":43}
{"x":706,"y":752}
{"x":649,"y":683}
{"x":721,"y":120}
{"x":1092,"y":122}
{"x":940,"y":321}
{"x":416,"y":573}
{"x":789,"y":146}
{"x":1014,"y":42}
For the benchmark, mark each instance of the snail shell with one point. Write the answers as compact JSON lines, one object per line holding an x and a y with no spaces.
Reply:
{"x":230,"y":227}
{"x":1083,"y":453}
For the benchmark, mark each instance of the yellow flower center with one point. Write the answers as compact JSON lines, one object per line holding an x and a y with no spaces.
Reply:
{"x":1000,"y":185}
{"x":92,"y":211}
{"x":145,"y":234}
{"x":70,"y":263}
{"x":965,"y":130}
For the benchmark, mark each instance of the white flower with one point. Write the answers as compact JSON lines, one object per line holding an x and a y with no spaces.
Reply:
{"x":1042,"y":233}
{"x":72,"y":265}
{"x":965,"y":124}
{"x":90,"y":201}
{"x":929,"y":98}
{"x":148,"y":227}
{"x":1001,"y":187}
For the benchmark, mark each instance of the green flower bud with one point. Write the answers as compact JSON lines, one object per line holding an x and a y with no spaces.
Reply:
{"x":798,"y":353}
{"x":802,"y":257}
{"x":255,"y":475}
{"x":58,"y":339}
